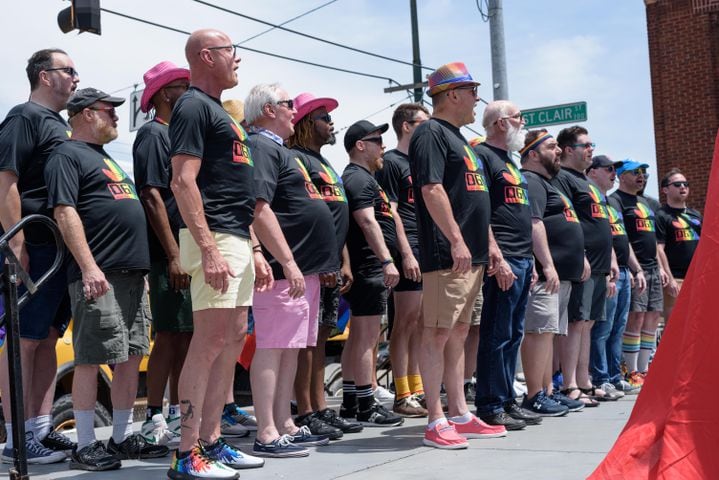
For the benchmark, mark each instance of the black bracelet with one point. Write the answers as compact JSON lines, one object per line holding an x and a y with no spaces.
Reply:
{"x":257,"y":248}
{"x":387,"y":262}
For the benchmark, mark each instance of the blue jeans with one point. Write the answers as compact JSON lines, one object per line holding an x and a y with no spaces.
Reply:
{"x":500,"y":334}
{"x":605,"y":355}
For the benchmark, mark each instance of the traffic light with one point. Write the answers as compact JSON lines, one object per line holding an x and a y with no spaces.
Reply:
{"x":83,"y":15}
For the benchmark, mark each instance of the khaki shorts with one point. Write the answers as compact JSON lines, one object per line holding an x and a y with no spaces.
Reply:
{"x":449,"y":297}
{"x":238,"y":254}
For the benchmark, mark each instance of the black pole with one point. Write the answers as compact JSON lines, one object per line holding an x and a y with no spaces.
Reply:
{"x":12,"y":343}
{"x":416,"y":68}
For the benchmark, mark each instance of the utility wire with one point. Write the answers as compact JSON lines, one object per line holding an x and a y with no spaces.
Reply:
{"x":485,"y":16}
{"x":312,"y":37}
{"x":409,"y":95}
{"x":261,"y":52}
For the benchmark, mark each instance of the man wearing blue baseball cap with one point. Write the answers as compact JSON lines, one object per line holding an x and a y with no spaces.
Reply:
{"x":646,"y":306}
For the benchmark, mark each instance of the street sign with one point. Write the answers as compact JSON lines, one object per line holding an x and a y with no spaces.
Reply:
{"x":555,"y":114}
{"x":137,"y":118}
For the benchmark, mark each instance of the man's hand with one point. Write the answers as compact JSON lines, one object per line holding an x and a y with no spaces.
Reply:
{"x":505,"y":276}
{"x":295,"y":279}
{"x":587,"y":272}
{"x":328,"y":280}
{"x":551,"y":285}
{"x":663,"y":275}
{"x":673,"y":288}
{"x":495,"y":259}
{"x":640,"y":282}
{"x":94,"y":283}
{"x":391,"y":275}
{"x":179,"y":280}
{"x":264,"y":280}
{"x":216,"y":269}
{"x":347,"y":278}
{"x":18,"y":248}
{"x":410,"y":267}
{"x":611,"y":287}
{"x":461,"y":257}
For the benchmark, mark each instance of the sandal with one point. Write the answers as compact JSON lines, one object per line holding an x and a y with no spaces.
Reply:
{"x":582,"y":397}
{"x":604,"y":397}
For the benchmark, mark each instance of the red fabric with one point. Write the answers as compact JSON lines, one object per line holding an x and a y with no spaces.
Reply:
{"x":673,"y":432}
{"x":248,"y":351}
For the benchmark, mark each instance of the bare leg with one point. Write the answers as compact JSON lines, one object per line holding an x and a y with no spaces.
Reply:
{"x":471,"y":345}
{"x":264,"y":376}
{"x":159,"y":366}
{"x":281,"y":408}
{"x":84,"y":387}
{"x":536,"y":356}
{"x":182,"y":344}
{"x":432,"y":367}
{"x":303,"y":379}
{"x":453,"y":373}
{"x":43,"y":378}
{"x":124,"y":384}
{"x":569,"y":353}
{"x":317,"y":385}
{"x":366,"y":330}
{"x":408,"y":306}
{"x":582,"y":374}
{"x":27,"y":359}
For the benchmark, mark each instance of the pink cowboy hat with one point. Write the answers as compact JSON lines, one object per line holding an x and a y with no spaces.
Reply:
{"x":157,"y":77}
{"x":306,"y":103}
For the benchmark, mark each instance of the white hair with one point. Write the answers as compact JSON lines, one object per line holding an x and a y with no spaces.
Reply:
{"x":493,"y":112}
{"x":259,"y":96}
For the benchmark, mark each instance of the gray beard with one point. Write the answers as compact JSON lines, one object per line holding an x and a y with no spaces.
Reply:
{"x":515,"y":139}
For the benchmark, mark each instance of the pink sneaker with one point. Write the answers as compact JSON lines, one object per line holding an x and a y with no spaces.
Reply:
{"x":444,"y":436}
{"x":476,"y":428}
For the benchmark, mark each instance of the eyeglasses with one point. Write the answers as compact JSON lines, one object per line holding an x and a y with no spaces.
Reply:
{"x":472,"y":88}
{"x":517,"y":116}
{"x":290,"y":104}
{"x":109,"y":110}
{"x":609,"y":168}
{"x":325,"y":118}
{"x":225,"y":47}
{"x":377,"y":140}
{"x":69,"y":70}
{"x":679,"y":184}
{"x":584,"y":145}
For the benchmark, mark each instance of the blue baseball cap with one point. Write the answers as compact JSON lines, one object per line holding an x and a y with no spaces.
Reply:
{"x":628,"y":165}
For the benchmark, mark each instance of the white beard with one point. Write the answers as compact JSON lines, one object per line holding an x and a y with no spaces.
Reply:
{"x":515,"y":139}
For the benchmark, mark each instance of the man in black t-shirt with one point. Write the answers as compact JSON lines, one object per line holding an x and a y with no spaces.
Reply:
{"x":505,"y":296}
{"x":452,"y":207}
{"x":395,"y":179}
{"x":371,"y":240}
{"x":296,"y":229}
{"x":313,"y":130}
{"x":102,"y":222}
{"x":28,"y":135}
{"x":555,"y":235}
{"x":646,"y":307}
{"x":212,"y":179}
{"x":587,"y":301}
{"x":678,"y":230}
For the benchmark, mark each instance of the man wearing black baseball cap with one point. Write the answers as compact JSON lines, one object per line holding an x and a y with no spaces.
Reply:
{"x":86,"y":97}
{"x":370,"y":242}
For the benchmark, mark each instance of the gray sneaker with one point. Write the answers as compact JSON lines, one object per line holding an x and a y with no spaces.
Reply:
{"x":611,"y":389}
{"x":627,"y":388}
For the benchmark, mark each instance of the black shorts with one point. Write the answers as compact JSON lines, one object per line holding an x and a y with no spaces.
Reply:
{"x":368,"y":295}
{"x":588,"y":299}
{"x":405,"y":284}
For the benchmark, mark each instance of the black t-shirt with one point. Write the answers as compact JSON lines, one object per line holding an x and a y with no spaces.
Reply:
{"x":363,"y":191}
{"x":591,"y":207}
{"x":439,"y":154}
{"x":83,"y":176}
{"x":639,"y":220}
{"x":511,"y":216}
{"x":28,"y":135}
{"x":201,"y":128}
{"x":330,"y":186}
{"x":679,"y":230}
{"x":620,"y":241}
{"x":282,"y":180}
{"x":152,"y":166}
{"x":396,"y":180}
{"x":564,"y":233}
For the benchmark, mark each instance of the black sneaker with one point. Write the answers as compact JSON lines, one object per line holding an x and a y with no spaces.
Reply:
{"x":135,"y":446}
{"x":348,"y":412}
{"x":543,"y":405}
{"x":94,"y":457}
{"x":519,"y":413}
{"x":58,"y":442}
{"x":378,"y":416}
{"x":330,"y":417}
{"x":573,"y":405}
{"x":317,"y":426}
{"x":303,"y":437}
{"x":502,"y":418}
{"x":470,"y":390}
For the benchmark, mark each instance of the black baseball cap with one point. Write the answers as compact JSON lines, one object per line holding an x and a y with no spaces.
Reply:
{"x":85,"y":97}
{"x":599,"y":161}
{"x":361,"y":129}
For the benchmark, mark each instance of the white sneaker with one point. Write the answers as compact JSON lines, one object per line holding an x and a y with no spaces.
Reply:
{"x":611,"y":389}
{"x":381,"y":394}
{"x":520,"y":388}
{"x":156,"y":432}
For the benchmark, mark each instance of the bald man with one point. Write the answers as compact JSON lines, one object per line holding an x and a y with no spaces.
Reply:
{"x":213,"y":184}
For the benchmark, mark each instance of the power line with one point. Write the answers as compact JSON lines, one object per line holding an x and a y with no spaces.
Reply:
{"x":410,"y":95}
{"x":485,"y":16}
{"x":312,"y":37}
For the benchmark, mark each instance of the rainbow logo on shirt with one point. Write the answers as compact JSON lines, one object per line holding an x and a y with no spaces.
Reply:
{"x":645,"y":220}
{"x":616,"y":222}
{"x":114,"y":173}
{"x":312,"y":191}
{"x":569,"y":214}
{"x":240,"y":150}
{"x":329,"y":176}
{"x":118,"y":190}
{"x":683,"y":230}
{"x":514,"y":193}
{"x":470,"y":160}
{"x":514,"y":176}
{"x":385,"y":208}
{"x":69,"y":133}
{"x":473,"y":179}
{"x":598,"y":210}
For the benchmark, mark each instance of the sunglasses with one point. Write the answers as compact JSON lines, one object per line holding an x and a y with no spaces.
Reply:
{"x":109,"y":110}
{"x":638,"y":171}
{"x":69,"y":70}
{"x":377,"y":140}
{"x":290,"y":104}
{"x":584,"y":145}
{"x":609,"y":168}
{"x":679,"y":184}
{"x":471,"y":88}
{"x":325,"y":118}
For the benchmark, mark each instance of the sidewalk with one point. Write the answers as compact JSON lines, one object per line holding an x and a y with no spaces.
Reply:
{"x":561,"y":448}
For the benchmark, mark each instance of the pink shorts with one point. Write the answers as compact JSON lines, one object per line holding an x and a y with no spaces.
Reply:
{"x":283,"y":322}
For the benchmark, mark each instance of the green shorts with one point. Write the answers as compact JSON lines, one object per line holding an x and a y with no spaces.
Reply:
{"x":171,"y":310}
{"x":111,"y":328}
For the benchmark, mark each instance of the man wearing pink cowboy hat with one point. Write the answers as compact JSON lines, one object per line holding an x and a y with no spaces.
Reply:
{"x":314,"y":129}
{"x":169,"y":298}
{"x":455,"y":248}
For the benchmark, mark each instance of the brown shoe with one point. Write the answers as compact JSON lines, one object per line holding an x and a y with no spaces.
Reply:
{"x":409,"y":407}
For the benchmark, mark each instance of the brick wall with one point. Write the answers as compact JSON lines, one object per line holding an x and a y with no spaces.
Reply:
{"x":684,"y":63}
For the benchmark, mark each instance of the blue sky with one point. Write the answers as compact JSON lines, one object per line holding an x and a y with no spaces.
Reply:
{"x":557,"y":52}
